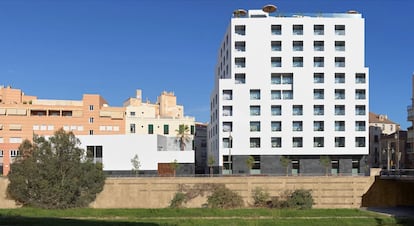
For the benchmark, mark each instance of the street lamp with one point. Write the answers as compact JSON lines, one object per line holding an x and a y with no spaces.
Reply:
{"x":230,"y":146}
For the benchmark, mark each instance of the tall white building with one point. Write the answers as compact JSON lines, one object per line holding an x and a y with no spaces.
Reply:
{"x":290,"y":85}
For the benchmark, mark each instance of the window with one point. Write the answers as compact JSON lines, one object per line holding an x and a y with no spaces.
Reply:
{"x":360,"y":94}
{"x":297,"y":29}
{"x":1,"y":153}
{"x":355,"y":167}
{"x":297,"y":110}
{"x":287,"y":94}
{"x":94,"y":153}
{"x":287,"y":78}
{"x":297,"y":46}
{"x":192,"y":130}
{"x":318,"y":46}
{"x":339,"y":46}
{"x":132,"y":113}
{"x":240,"y":46}
{"x":14,"y":153}
{"x":240,"y":29}
{"x":276,"y":45}
{"x":360,"y":78}
{"x":90,"y":107}
{"x":276,"y":78}
{"x":226,"y":143}
{"x":340,"y":142}
{"x":360,"y":110}
{"x":132,"y":128}
{"x":276,"y":62}
{"x":295,"y":167}
{"x":339,"y":61}
{"x":318,"y":62}
{"x":339,"y":109}
{"x":227,"y":94}
{"x":297,"y":142}
{"x":91,"y":120}
{"x":340,"y":29}
{"x":359,"y":141}
{"x":276,"y":110}
{"x":276,"y":142}
{"x":276,"y":29}
{"x":150,"y":129}
{"x":297,"y":61}
{"x":318,"y":142}
{"x":297,"y":126}
{"x":227,"y":110}
{"x":318,"y":78}
{"x":255,"y":142}
{"x":339,"y":125}
{"x":91,"y":132}
{"x":166,"y":129}
{"x":240,"y":62}
{"x":318,"y":125}
{"x":318,"y":29}
{"x":318,"y":94}
{"x":240,"y":78}
{"x":318,"y":110}
{"x":255,"y":126}
{"x":276,"y":126}
{"x":255,"y":94}
{"x":275,"y":95}
{"x":227,"y":126}
{"x":254,"y":110}
{"x":360,"y":126}
{"x":340,"y":78}
{"x":339,"y":94}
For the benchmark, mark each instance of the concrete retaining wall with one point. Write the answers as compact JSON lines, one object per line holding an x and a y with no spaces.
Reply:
{"x":157,"y":192}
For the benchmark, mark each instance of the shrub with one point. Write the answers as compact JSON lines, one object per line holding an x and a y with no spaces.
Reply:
{"x":223,"y":197}
{"x":261,"y":198}
{"x":178,"y":200}
{"x":300,"y":199}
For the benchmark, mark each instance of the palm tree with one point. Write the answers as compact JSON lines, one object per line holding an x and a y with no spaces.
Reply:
{"x":183,"y":134}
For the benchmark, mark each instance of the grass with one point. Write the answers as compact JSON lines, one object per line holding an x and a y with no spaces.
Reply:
{"x":184,"y":217}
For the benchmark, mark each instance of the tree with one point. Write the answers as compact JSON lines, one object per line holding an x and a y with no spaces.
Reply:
{"x":210,"y":163}
{"x":55,"y":174}
{"x":136,"y":164}
{"x":285,"y":161}
{"x":175,"y":166}
{"x":183,"y":135}
{"x":250,"y":162}
{"x":326,"y":162}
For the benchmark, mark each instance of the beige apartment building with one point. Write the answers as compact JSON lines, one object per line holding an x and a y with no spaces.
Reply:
{"x":21,"y":116}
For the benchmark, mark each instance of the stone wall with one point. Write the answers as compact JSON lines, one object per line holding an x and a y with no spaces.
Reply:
{"x":157,"y":192}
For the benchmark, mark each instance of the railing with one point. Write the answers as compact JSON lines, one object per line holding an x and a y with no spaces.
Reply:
{"x":401,"y":174}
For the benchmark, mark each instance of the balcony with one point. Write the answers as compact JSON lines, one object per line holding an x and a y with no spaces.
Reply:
{"x":410,"y":112}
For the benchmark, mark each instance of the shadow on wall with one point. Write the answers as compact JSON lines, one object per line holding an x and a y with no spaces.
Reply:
{"x":389,"y":193}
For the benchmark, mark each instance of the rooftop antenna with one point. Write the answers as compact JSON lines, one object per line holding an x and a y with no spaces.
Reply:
{"x":240,"y":13}
{"x":269,"y":8}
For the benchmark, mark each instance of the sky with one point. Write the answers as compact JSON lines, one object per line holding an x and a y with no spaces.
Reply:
{"x":62,"y":49}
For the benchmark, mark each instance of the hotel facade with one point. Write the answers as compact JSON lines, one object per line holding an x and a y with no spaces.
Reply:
{"x":293,"y":86}
{"x":112,"y":135}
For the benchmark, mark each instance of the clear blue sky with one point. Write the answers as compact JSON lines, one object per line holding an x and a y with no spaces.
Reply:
{"x":61,"y":49}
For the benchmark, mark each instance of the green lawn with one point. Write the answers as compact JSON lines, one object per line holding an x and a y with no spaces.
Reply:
{"x":153,"y":217}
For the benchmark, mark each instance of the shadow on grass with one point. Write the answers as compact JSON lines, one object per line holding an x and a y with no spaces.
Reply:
{"x":41,"y":221}
{"x":403,"y":221}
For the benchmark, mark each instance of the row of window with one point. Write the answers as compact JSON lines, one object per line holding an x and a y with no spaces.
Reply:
{"x":297,"y":46}
{"x":150,"y":129}
{"x":297,"y":142}
{"x":276,"y":110}
{"x":240,"y":62}
{"x":287,"y":78}
{"x":276,"y":126}
{"x":297,"y":29}
{"x":318,"y":94}
{"x":13,"y":153}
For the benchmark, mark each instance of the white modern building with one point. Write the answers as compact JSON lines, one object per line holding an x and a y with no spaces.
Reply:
{"x":290,"y":85}
{"x":155,"y":153}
